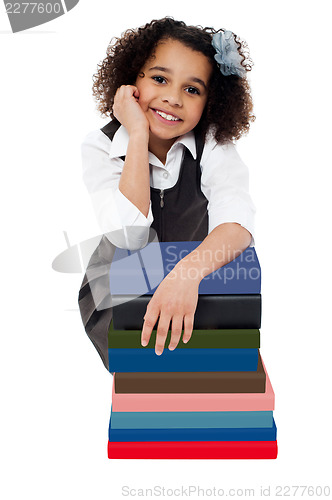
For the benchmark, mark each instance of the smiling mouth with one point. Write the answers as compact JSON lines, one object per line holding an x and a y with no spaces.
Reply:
{"x":167,"y":116}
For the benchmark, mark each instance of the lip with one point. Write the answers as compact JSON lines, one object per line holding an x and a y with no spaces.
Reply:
{"x":163,"y":120}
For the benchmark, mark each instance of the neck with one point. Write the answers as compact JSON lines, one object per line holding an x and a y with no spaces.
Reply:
{"x":160,"y":147}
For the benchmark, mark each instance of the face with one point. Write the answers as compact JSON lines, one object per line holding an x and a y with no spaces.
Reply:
{"x":173,"y":89}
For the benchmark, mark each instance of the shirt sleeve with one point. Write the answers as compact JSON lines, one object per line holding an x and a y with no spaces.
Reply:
{"x":225,"y":183}
{"x":122,"y":222}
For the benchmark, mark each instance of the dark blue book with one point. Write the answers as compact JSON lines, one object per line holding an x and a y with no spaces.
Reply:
{"x":199,"y":434}
{"x":140,"y":272}
{"x":182,"y":360}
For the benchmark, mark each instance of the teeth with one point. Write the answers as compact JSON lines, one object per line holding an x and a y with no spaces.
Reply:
{"x":170,"y":118}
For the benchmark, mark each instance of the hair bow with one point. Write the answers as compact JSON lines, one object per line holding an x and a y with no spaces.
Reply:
{"x":227,"y":56}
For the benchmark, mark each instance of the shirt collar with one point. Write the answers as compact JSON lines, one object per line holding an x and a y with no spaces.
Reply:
{"x":120,"y":142}
{"x":188,"y":140}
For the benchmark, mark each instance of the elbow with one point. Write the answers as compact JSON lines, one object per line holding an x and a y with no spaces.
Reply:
{"x":244,"y":236}
{"x":129,"y":238}
{"x":236,"y":233}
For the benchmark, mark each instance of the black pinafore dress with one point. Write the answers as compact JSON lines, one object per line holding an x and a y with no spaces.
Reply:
{"x":180,"y":214}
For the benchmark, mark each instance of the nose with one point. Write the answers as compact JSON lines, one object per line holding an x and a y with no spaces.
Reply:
{"x":172,"y":96}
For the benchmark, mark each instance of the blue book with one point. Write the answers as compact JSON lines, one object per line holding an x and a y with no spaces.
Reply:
{"x":218,"y":434}
{"x":182,"y":360}
{"x":190,"y":419}
{"x":140,"y":272}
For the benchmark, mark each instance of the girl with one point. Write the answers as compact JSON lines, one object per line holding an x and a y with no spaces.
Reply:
{"x":179,"y":98}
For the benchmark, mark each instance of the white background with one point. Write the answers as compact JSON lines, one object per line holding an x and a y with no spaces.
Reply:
{"x":55,"y":392}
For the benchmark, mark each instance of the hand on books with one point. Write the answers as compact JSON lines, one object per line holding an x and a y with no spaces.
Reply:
{"x":174,"y":302}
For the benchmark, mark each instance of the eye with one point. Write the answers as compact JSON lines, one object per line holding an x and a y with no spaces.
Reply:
{"x":192,"y":90}
{"x":159,"y":79}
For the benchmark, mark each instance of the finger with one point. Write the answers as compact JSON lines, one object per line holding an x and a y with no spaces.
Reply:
{"x":188,"y":327}
{"x":177,"y":322}
{"x":125,"y":92}
{"x":130,"y":90}
{"x":120,"y":91}
{"x":150,"y":319}
{"x":162,"y":331}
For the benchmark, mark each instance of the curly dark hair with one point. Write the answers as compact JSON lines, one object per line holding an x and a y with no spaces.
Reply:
{"x":228,"y":111}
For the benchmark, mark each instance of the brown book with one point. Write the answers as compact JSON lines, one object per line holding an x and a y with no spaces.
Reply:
{"x":191,"y":382}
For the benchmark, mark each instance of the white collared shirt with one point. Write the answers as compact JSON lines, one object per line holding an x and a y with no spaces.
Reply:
{"x":224,"y":182}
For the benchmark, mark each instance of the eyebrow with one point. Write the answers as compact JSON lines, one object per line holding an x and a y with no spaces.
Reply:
{"x":167,"y":70}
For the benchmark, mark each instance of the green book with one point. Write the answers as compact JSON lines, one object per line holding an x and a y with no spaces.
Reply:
{"x":236,"y":338}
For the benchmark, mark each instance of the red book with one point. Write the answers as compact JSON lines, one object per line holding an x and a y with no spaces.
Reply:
{"x":193,"y":450}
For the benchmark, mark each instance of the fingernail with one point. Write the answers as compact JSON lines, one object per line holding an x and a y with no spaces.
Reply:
{"x":144,"y":343}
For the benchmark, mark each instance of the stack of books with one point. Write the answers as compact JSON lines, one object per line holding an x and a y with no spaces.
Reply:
{"x":208,"y":399}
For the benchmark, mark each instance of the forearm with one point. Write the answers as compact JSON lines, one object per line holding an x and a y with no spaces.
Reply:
{"x":135,"y":178}
{"x":221,"y":246}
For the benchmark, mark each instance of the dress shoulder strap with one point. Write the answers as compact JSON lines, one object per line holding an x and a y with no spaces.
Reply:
{"x":199,"y":145}
{"x":110,"y":128}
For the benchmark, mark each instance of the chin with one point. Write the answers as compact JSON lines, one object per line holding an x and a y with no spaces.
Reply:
{"x":165,"y":135}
